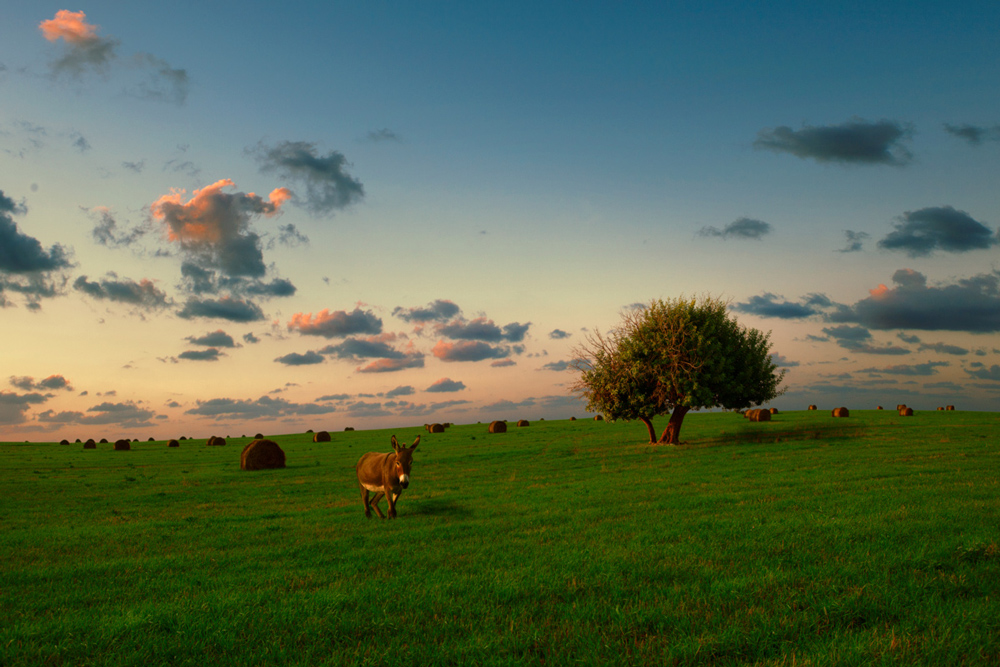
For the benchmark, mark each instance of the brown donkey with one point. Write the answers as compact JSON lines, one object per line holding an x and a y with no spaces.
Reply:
{"x":385,"y":475}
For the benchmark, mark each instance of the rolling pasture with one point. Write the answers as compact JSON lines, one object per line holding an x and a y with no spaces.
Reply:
{"x":806,"y":540}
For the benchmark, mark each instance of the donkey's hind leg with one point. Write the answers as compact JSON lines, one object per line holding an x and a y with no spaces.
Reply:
{"x":375,"y":502}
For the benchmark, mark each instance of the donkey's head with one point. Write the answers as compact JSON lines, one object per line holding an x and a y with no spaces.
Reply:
{"x":404,"y":460}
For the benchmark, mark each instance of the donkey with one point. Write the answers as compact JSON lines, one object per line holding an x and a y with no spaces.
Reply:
{"x":385,"y":475}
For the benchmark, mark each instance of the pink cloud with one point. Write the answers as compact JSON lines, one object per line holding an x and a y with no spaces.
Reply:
{"x":70,"y":26}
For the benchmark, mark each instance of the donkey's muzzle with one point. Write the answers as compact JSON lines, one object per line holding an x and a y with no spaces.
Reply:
{"x":404,"y":481}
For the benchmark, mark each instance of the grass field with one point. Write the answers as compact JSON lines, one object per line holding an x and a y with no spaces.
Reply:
{"x":804,"y":541}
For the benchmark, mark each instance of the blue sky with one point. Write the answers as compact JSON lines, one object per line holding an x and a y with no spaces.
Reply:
{"x":234,"y":218}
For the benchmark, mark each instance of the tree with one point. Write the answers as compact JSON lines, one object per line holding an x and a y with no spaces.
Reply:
{"x":675,"y":356}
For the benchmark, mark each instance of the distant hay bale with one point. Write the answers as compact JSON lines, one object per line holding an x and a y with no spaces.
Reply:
{"x":262,"y":455}
{"x":523,"y":422}
{"x":949,"y":407}
{"x":309,"y":430}
{"x":348,"y":428}
{"x":122,"y":445}
{"x":812,"y":407}
{"x":78,"y":441}
{"x":183,"y":438}
{"x":598,"y":418}
{"x":436,"y":428}
{"x":901,"y":406}
{"x":498,"y":427}
{"x":151,"y":440}
{"x":216,"y":441}
{"x":760,"y":415}
{"x":258,"y":437}
{"x":906,"y":412}
{"x":90,"y":444}
{"x":878,"y":407}
{"x":104,"y":441}
{"x":774,"y":411}
{"x":572,"y":419}
{"x":941,"y":408}
{"x":321,"y":436}
{"x":841,"y":412}
{"x":173,"y":443}
{"x":64,"y":442}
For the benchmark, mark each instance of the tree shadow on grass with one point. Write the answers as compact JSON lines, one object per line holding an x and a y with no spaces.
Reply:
{"x":778,"y":432}
{"x":439,"y":507}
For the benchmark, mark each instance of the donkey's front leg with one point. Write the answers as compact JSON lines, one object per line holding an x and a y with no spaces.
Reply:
{"x":375,"y":502}
{"x":392,"y":498}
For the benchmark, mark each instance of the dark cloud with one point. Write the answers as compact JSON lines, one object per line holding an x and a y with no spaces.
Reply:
{"x":503,"y":363}
{"x":20,"y":253}
{"x":944,"y":228}
{"x":385,"y":134}
{"x":440,"y":310}
{"x":142,"y":294}
{"x":446,"y":385}
{"x":483,"y":329}
{"x":52,"y":382}
{"x":211,"y":354}
{"x":226,"y":308}
{"x":991,"y":374}
{"x":944,"y":348}
{"x":358,"y":348}
{"x":975,"y":135}
{"x":333,"y":397}
{"x":328,"y":185}
{"x":250,"y":338}
{"x":337,"y":323}
{"x":217,"y":338}
{"x":853,"y":142}
{"x":296,"y":359}
{"x":265,"y":406}
{"x":854,"y":241}
{"x":859,"y":339}
{"x":469,"y":350}
{"x":135,"y":167}
{"x":162,"y":82}
{"x":106,"y":230}
{"x":126,"y":415}
{"x":289,"y":236}
{"x":278,"y":287}
{"x":743,"y":228}
{"x":79,"y":142}
{"x":921,"y":370}
{"x":213,"y":228}
{"x":13,"y":406}
{"x":971,"y":305}
{"x":559,"y":334}
{"x":770,"y":305}
{"x":556,"y":366}
{"x":783,"y":362}
{"x":404,"y":390}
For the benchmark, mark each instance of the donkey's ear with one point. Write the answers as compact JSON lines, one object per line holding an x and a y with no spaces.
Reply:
{"x":415,"y":443}
{"x":395,"y":445}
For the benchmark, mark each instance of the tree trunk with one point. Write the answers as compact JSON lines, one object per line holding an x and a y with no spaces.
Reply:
{"x":649,"y":426}
{"x":672,"y":434}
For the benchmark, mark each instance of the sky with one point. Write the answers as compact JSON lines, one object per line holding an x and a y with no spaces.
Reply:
{"x":222,"y":219}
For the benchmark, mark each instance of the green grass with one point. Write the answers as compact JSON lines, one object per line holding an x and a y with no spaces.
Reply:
{"x":803,"y":541}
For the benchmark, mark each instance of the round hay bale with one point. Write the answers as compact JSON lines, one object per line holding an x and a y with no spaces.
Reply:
{"x":122,"y":445}
{"x":104,"y":441}
{"x":436,"y":428}
{"x":183,"y":438}
{"x":151,"y":440}
{"x":173,"y":443}
{"x":262,"y":455}
{"x":498,"y":427}
{"x":258,"y":437}
{"x":878,"y":407}
{"x":598,"y":418}
{"x":64,"y":442}
{"x":774,"y":411}
{"x":572,"y":419}
{"x":749,"y":413}
{"x":812,"y":407}
{"x":523,"y":422}
{"x":949,"y":407}
{"x":901,"y":406}
{"x":760,"y":416}
{"x":78,"y":441}
{"x":841,"y":412}
{"x":309,"y":430}
{"x":906,"y":412}
{"x":941,"y":408}
{"x":321,"y":436}
{"x":348,"y":428}
{"x":216,"y":441}
{"x":90,"y":444}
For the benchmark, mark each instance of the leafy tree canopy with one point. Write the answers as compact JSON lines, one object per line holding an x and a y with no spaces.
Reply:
{"x":675,"y":356}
